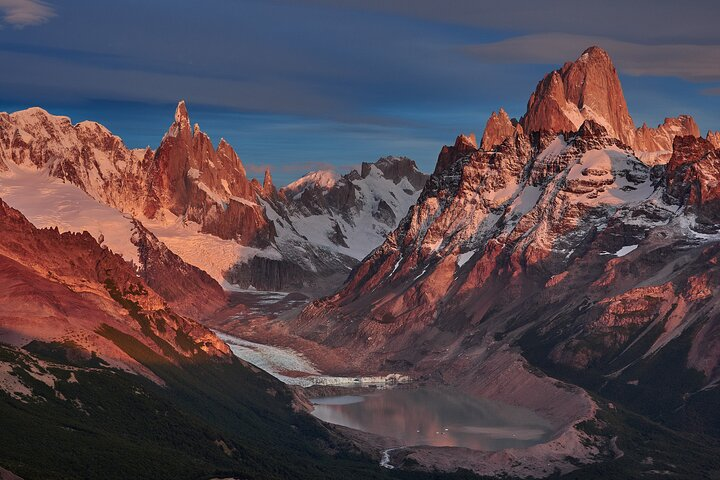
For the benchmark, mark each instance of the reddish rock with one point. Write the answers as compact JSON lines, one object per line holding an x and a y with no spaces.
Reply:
{"x":187,"y":289}
{"x":692,"y":173}
{"x":660,"y":139}
{"x":464,"y":145}
{"x":498,"y":128}
{"x":190,"y":178}
{"x":66,"y":287}
{"x":588,"y":88}
{"x":714,"y":138}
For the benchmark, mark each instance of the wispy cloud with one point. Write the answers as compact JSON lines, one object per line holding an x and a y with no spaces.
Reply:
{"x":22,"y":13}
{"x":296,"y":167}
{"x":697,"y":63}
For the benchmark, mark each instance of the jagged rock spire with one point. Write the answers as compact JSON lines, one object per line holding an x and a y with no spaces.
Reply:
{"x":588,"y":88}
{"x":268,"y":186}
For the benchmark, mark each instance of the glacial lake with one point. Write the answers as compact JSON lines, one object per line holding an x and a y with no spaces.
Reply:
{"x":434,"y":417}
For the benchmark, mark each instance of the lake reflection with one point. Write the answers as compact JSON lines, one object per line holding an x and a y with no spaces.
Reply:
{"x":434,"y":417}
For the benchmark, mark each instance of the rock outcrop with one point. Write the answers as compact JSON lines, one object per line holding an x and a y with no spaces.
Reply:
{"x":185,"y":177}
{"x":589,"y":89}
{"x":498,"y":128}
{"x":65,"y":287}
{"x":326,"y":223}
{"x":191,"y":179}
{"x":714,"y":138}
{"x":314,"y":231}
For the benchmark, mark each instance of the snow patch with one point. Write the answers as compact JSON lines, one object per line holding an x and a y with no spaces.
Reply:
{"x":54,"y":203}
{"x":464,"y":257}
{"x":625,"y":250}
{"x":205,"y":251}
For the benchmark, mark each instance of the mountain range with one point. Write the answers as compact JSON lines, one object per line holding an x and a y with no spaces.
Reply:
{"x":197,"y":199}
{"x":568,"y":264}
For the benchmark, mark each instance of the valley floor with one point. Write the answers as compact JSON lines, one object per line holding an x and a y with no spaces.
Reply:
{"x":256,"y":332}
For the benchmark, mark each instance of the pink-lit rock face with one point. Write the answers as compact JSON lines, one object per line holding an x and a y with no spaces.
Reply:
{"x":190,"y":178}
{"x":572,"y":237}
{"x":661,"y":138}
{"x":66,"y":287}
{"x":692,"y":173}
{"x":498,"y":128}
{"x":307,"y":236}
{"x":714,"y":138}
{"x":587,"y":88}
{"x":186,"y":176}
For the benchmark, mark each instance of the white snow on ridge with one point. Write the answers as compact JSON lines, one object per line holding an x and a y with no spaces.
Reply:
{"x":610,"y":167}
{"x":207,"y":252}
{"x":622,"y":252}
{"x":54,"y":203}
{"x":464,"y":257}
{"x":362,"y":231}
{"x":49,"y":202}
{"x":625,"y":250}
{"x":322,"y":178}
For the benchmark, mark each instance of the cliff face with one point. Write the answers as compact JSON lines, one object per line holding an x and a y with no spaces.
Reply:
{"x":589,"y":89}
{"x":326,"y":223}
{"x":191,"y":179}
{"x":498,"y":128}
{"x":65,"y":287}
{"x":185,"y":177}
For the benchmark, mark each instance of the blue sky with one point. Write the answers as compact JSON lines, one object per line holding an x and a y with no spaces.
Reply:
{"x":307,"y":84}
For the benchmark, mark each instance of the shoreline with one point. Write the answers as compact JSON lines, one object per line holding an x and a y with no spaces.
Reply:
{"x":506,"y":378}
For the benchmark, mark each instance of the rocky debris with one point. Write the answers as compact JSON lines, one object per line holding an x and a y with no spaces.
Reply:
{"x":269,"y":274}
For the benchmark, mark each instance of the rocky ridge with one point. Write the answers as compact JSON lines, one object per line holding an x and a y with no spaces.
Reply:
{"x":197,"y":199}
{"x":589,"y":89}
{"x":565,"y":247}
{"x":67,"y":289}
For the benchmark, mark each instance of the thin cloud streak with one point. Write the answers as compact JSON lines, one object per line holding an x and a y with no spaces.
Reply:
{"x":22,"y":13}
{"x":696,"y":63}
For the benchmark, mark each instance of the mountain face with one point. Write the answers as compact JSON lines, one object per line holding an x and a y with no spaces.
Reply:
{"x":65,"y":287}
{"x":326,"y":223}
{"x":195,"y":200}
{"x":191,"y":179}
{"x":589,"y":89}
{"x":185,"y":177}
{"x":566,"y":247}
{"x":95,"y":362}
